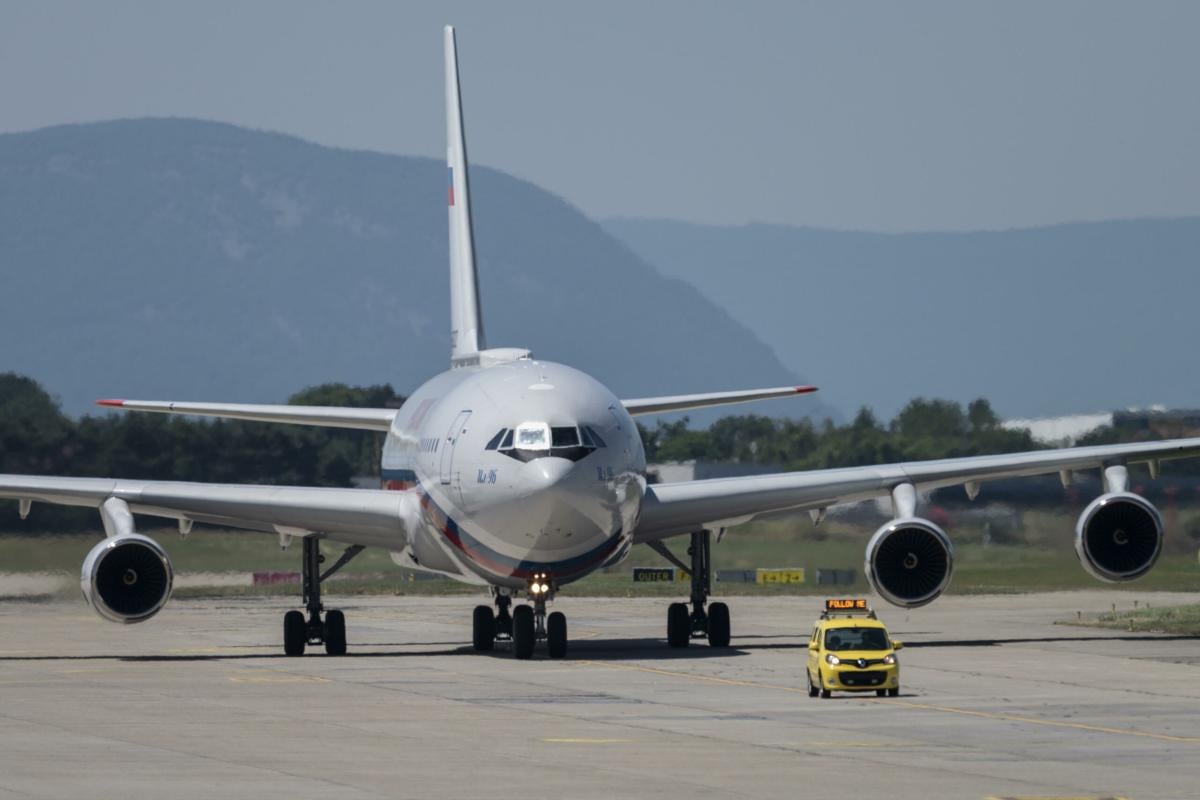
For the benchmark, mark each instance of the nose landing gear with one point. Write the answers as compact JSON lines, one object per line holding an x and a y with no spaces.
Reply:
{"x":712,"y":622}
{"x":298,"y":631}
{"x":525,"y":626}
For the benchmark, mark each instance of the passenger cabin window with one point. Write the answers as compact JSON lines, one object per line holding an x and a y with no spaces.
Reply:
{"x":531,"y":440}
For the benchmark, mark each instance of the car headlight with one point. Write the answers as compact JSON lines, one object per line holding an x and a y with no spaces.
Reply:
{"x":832,"y":660}
{"x":890,"y":658}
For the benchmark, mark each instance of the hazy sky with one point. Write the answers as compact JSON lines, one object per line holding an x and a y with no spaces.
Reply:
{"x":887,"y":116}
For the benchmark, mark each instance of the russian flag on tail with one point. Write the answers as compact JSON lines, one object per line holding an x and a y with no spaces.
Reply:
{"x":451,"y":171}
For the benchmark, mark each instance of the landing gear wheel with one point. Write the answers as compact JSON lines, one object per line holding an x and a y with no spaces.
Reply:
{"x":679,"y":625}
{"x":483,"y":628}
{"x":881,"y":692}
{"x":556,"y":634}
{"x":295,"y":633}
{"x":812,"y":690}
{"x":335,"y":633}
{"x":718,"y":625}
{"x":523,"y":635}
{"x":894,"y":692}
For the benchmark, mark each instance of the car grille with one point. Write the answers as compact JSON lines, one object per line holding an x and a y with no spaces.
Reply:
{"x":872,"y":677}
{"x":861,"y":663}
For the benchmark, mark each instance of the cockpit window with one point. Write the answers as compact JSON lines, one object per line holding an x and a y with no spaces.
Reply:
{"x":533,"y":436}
{"x":564,"y":437}
{"x":595,"y":437}
{"x":532,"y":440}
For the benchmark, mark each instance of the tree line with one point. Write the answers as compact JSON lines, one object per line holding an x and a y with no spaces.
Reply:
{"x":36,"y":437}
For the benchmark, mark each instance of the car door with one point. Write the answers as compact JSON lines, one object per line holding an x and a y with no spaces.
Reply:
{"x":813,"y":654}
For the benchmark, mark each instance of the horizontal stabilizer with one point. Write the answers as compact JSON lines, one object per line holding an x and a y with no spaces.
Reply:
{"x":682,"y":402}
{"x":368,"y":419}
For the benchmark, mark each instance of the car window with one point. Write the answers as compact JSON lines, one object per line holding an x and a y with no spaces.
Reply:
{"x":856,"y":639}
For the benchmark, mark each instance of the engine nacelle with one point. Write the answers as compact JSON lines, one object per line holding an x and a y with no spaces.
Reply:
{"x":909,"y":562}
{"x":1118,"y":537}
{"x":127,"y":578}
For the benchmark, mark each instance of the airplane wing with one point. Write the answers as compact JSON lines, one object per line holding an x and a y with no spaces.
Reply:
{"x":354,"y":516}
{"x":370,"y":419}
{"x":682,"y":402}
{"x":671,"y":509}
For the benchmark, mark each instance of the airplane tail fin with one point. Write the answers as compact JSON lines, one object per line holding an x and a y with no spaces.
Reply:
{"x":466,"y":320}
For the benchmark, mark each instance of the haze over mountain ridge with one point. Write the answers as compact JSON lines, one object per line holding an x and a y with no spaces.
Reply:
{"x":1056,"y":319}
{"x":184,"y":259}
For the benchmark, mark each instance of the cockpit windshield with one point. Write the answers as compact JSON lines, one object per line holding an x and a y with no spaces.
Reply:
{"x":533,"y":436}
{"x":531,"y":440}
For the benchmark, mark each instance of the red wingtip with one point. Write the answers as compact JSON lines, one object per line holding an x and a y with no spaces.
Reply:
{"x":805,"y":389}
{"x":113,"y":403}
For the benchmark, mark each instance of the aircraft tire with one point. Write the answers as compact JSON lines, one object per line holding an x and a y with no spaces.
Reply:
{"x":556,"y":634}
{"x":295,"y":633}
{"x":522,"y":634}
{"x":679,"y":625}
{"x":483,"y":628}
{"x":335,"y":633}
{"x":718,"y":625}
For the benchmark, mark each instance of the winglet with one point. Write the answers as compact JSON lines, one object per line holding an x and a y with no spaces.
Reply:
{"x":113,"y":403}
{"x":466,"y":319}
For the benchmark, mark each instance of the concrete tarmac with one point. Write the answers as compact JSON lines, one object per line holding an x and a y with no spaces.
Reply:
{"x":997,"y":701}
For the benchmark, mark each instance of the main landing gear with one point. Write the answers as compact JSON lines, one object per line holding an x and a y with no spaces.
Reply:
{"x":525,"y":626}
{"x":298,"y":631}
{"x":711,"y":623}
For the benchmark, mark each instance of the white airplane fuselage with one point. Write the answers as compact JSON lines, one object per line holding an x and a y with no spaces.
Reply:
{"x":517,"y":468}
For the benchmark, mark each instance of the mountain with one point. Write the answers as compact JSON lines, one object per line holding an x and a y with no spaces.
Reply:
{"x":1042,"y":321}
{"x":180,"y":259}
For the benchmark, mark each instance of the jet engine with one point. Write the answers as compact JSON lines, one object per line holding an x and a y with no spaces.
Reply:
{"x":909,"y":562}
{"x":127,"y":578}
{"x":1118,"y":537}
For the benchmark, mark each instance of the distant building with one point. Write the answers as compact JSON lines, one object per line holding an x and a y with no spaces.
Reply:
{"x":1064,"y":431}
{"x":1061,"y":431}
{"x":675,"y":471}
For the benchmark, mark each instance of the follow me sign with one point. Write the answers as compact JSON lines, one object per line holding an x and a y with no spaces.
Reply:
{"x":790,"y":575}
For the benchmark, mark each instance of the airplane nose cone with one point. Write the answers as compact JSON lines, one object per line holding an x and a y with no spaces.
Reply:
{"x":542,"y":473}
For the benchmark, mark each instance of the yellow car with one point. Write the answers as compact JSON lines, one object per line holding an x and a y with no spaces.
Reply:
{"x":850,"y":651}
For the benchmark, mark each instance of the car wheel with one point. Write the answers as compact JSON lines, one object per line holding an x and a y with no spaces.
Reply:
{"x":812,"y":690}
{"x":894,"y":692}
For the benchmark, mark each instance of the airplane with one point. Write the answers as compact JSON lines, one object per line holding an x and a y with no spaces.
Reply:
{"x":522,"y":476}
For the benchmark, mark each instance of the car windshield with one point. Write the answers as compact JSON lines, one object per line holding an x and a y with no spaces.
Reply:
{"x":856,"y":639}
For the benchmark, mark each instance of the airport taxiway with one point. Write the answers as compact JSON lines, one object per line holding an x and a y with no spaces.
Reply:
{"x":997,"y":701}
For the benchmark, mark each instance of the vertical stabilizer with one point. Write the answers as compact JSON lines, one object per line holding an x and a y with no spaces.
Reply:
{"x":466,"y":321}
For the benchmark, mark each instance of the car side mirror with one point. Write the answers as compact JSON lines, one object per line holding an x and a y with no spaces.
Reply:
{"x":897,"y":645}
{"x":814,"y":646}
